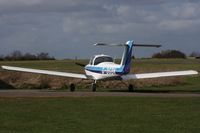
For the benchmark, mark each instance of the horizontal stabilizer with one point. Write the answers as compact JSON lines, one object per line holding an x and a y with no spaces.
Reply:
{"x":63,"y":74}
{"x":158,"y":74}
{"x":146,"y":45}
{"x":136,"y":45}
{"x":112,"y":44}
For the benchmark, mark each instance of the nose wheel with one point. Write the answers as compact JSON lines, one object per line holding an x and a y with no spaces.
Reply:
{"x":94,"y":86}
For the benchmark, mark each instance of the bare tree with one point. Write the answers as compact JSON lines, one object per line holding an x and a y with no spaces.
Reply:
{"x":28,"y":56}
{"x":44,"y":56}
{"x":18,"y":55}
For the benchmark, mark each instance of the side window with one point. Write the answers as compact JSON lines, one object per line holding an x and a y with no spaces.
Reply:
{"x":108,"y":59}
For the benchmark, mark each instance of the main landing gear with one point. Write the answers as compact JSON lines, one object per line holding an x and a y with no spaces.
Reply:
{"x":130,"y":88}
{"x":72,"y":87}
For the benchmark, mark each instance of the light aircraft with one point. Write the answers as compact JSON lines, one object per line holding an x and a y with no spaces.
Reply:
{"x":102,"y":67}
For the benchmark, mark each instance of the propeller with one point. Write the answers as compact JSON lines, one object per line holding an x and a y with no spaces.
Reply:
{"x":80,"y":64}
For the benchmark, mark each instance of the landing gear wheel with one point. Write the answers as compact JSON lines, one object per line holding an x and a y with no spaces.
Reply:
{"x":72,"y":87}
{"x":94,"y":87}
{"x":130,"y":88}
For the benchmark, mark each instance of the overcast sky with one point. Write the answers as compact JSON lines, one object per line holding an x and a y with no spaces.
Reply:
{"x":68,"y":28}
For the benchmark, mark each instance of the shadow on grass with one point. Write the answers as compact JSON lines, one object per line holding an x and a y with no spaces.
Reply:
{"x":5,"y":86}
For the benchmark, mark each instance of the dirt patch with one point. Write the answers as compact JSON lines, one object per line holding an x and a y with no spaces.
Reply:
{"x":36,"y":81}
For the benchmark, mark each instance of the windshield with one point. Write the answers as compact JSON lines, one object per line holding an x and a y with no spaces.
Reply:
{"x":102,"y":59}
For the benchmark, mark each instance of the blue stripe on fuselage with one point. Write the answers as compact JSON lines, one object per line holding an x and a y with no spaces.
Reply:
{"x":101,"y":70}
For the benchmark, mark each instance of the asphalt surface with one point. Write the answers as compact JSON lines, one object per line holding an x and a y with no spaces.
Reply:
{"x":53,"y":93}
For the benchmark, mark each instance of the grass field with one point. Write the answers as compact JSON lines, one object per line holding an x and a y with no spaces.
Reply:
{"x":106,"y":114}
{"x":100,"y":115}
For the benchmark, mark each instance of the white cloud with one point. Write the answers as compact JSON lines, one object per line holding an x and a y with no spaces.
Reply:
{"x":25,"y":2}
{"x":74,"y":22}
{"x":178,"y":24}
{"x":185,"y":10}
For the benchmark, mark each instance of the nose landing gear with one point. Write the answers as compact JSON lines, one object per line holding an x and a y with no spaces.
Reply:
{"x":94,"y":86}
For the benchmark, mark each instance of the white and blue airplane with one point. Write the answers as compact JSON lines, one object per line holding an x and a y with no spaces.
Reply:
{"x":103,"y":67}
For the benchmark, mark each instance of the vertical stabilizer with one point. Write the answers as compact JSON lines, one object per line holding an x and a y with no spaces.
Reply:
{"x":126,"y":58}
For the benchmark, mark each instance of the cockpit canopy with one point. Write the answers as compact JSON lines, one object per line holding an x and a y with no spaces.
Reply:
{"x":100,"y":58}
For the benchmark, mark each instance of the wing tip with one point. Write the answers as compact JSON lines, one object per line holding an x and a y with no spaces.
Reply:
{"x":196,"y":72}
{"x":193,"y":72}
{"x":6,"y":67}
{"x":3,"y":67}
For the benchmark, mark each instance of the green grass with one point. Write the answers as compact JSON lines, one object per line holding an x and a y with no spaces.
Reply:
{"x":166,"y":64}
{"x":100,"y":115}
{"x":143,"y":64}
{"x":61,"y":65}
{"x":191,"y":83}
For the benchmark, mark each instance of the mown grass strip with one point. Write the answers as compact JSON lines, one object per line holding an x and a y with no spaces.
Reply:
{"x":107,"y":114}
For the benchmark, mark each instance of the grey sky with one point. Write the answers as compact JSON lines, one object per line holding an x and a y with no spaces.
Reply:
{"x":68,"y":28}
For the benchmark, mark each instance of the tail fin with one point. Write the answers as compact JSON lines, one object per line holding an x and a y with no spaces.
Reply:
{"x":126,"y":58}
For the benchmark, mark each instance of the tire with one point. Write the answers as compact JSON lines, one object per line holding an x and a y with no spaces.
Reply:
{"x":94,"y":87}
{"x":72,"y":87}
{"x":130,"y":88}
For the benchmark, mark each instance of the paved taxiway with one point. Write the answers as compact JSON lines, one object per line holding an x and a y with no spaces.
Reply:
{"x":52,"y":93}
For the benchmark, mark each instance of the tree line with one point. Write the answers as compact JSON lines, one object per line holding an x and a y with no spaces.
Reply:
{"x":18,"y":55}
{"x":174,"y":54}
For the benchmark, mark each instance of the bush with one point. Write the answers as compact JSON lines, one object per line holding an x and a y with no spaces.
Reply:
{"x":195,"y":54}
{"x":169,"y":54}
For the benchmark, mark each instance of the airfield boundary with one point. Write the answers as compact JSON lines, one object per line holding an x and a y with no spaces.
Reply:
{"x":56,"y":94}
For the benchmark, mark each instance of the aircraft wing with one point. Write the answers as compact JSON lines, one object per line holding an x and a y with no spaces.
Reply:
{"x":158,"y":74}
{"x":63,"y":74}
